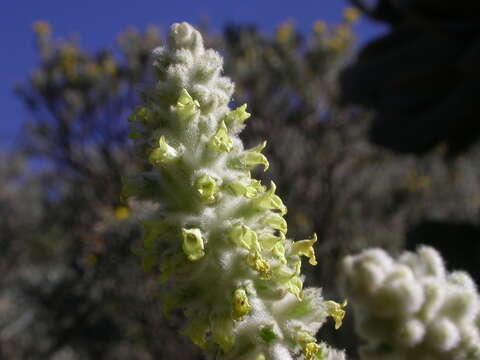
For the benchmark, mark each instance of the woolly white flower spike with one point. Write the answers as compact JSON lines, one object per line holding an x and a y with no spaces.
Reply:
{"x":214,"y":223}
{"x":414,"y":309}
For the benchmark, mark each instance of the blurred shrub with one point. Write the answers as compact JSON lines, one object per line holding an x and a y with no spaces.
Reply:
{"x":80,"y":292}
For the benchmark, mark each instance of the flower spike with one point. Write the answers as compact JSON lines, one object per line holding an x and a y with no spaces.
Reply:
{"x":216,"y":236}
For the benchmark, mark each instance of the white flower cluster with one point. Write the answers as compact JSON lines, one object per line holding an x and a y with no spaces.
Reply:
{"x":412,"y":308}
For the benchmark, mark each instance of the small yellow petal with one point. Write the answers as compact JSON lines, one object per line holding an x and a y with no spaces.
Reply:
{"x":121,"y":213}
{"x":335,"y":310}
{"x":305,"y":248}
{"x":259,"y":264}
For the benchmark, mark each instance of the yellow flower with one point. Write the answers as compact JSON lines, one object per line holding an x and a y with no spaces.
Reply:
{"x":351,"y":14}
{"x":308,"y":344}
{"x":305,"y":248}
{"x":319,"y":26}
{"x":336,"y":311}
{"x":121,"y":213}
{"x":42,"y":27}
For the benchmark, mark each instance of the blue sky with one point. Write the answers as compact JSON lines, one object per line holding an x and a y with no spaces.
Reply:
{"x":98,"y":22}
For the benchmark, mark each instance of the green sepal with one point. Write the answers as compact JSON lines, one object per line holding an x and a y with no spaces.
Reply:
{"x":131,"y":187}
{"x":283,"y":274}
{"x":141,"y":115}
{"x":169,"y":264}
{"x":249,"y":159}
{"x":235,"y":118}
{"x":197,"y":331}
{"x":295,"y":286}
{"x":247,"y":187}
{"x":149,"y":258}
{"x":243,"y":236}
{"x":151,"y":231}
{"x":268,"y":240}
{"x":267,"y":334}
{"x":222,"y":332}
{"x":276,"y":221}
{"x":279,"y":252}
{"x":270,"y":201}
{"x":163,"y":153}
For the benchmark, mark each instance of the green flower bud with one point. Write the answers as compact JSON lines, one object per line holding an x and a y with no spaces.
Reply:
{"x":245,"y":237}
{"x":241,"y":306}
{"x":197,"y":331}
{"x":142,"y":114}
{"x":276,"y":221}
{"x":268,"y":241}
{"x":193,"y":244}
{"x":221,"y":327}
{"x":207,"y":188}
{"x":247,"y":187}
